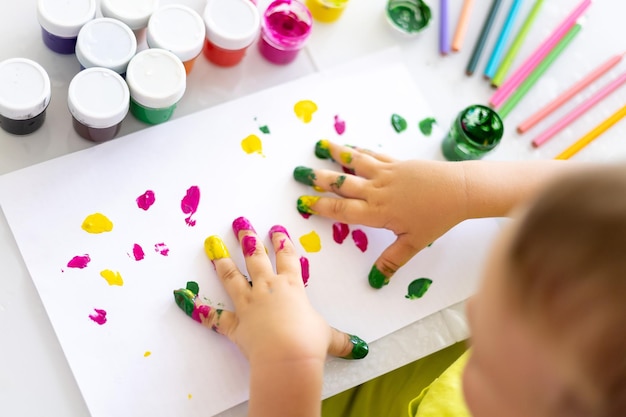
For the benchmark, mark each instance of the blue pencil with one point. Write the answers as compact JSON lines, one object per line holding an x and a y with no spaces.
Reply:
{"x":482,"y":39}
{"x":444,"y":40}
{"x":498,"y":49}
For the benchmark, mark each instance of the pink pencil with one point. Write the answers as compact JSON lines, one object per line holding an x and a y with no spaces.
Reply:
{"x":569,"y":93}
{"x":578,"y":111}
{"x":537,"y":56}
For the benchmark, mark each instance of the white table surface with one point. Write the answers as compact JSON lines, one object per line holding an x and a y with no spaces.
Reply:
{"x":35,"y":379}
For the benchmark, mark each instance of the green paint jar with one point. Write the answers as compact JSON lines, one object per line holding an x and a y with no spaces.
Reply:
{"x":408,"y":16}
{"x":157,"y":81}
{"x":475,"y":132}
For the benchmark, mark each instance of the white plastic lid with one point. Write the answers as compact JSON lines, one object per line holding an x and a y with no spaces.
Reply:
{"x":24,"y":89}
{"x":177,"y":28}
{"x":231,"y":24}
{"x":64,"y":18}
{"x":106,"y":42}
{"x":156,"y":78}
{"x":135,"y":13}
{"x":98,"y":97}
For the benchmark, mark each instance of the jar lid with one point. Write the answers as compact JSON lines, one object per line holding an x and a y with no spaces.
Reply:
{"x":135,"y":13}
{"x":98,"y":97}
{"x":156,"y":78}
{"x":24,"y":89}
{"x":106,"y":42}
{"x":177,"y":28}
{"x":231,"y":24}
{"x":64,"y":18}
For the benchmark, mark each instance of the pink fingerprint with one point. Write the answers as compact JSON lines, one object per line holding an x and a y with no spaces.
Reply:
{"x":145,"y":200}
{"x":340,"y":125}
{"x":249,"y":245}
{"x":79,"y":262}
{"x":304,"y":266}
{"x":100,"y":317}
{"x":340,"y":232}
{"x":189,"y":204}
{"x":138,"y":252}
{"x":360,"y":239}
{"x":162,"y":249}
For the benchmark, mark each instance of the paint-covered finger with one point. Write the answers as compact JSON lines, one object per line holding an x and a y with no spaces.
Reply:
{"x":356,"y":161}
{"x":342,"y":184}
{"x":255,"y":255}
{"x":287,"y":261}
{"x":234,"y":282}
{"x":216,"y":319}
{"x":347,"y":346}
{"x":390,"y":260}
{"x":345,"y":210}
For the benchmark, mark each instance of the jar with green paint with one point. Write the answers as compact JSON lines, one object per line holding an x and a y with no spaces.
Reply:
{"x":408,"y":16}
{"x":476,"y":131}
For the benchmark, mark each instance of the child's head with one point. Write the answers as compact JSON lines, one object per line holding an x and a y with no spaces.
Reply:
{"x":548,"y":322}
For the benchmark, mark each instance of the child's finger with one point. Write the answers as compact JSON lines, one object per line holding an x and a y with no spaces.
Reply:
{"x":221,"y":321}
{"x":234,"y":282}
{"x":363,"y":164}
{"x":390,"y":260}
{"x":344,"y":210}
{"x":258,"y":263}
{"x":347,"y":346}
{"x":287,"y":261}
{"x":341,"y":184}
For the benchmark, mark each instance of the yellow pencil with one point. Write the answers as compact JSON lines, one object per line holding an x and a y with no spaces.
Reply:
{"x":592,"y":134}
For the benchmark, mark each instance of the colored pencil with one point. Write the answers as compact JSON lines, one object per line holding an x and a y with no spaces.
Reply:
{"x":569,"y":93}
{"x":592,"y":134}
{"x":518,"y":41}
{"x":518,"y":76}
{"x":505,"y":32}
{"x":578,"y":111}
{"x":461,"y":26}
{"x":534,"y":76}
{"x":482,"y":38}
{"x":444,"y":41}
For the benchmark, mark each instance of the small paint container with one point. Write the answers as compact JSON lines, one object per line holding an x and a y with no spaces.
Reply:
{"x":285,"y":27}
{"x":61,"y":21}
{"x":476,"y":131}
{"x":408,"y":17}
{"x":135,"y":13}
{"x":24,"y":95}
{"x":157,"y":81}
{"x":326,"y":11}
{"x":106,"y":42}
{"x":231,"y":27}
{"x":180,"y":30}
{"x":98,"y":100}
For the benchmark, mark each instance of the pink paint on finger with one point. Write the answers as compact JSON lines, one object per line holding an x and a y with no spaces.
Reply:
{"x":138,"y":252}
{"x":279,"y":229}
{"x":241,"y":223}
{"x":145,"y":200}
{"x":304,"y":266}
{"x":340,"y":232}
{"x":249,"y":245}
{"x":79,"y":262}
{"x":200,"y":311}
{"x":100,"y":317}
{"x":189,"y":204}
{"x":162,"y":249}
{"x":360,"y":239}
{"x":340,"y":125}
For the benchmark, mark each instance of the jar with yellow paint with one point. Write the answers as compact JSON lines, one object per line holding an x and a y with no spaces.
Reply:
{"x":326,"y":11}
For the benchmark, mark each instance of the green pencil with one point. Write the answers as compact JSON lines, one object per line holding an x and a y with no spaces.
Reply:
{"x":534,"y":76}
{"x":507,"y":61}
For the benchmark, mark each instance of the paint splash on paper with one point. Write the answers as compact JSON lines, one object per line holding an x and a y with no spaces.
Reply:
{"x":340,"y":232}
{"x":162,"y":249}
{"x":311,"y":242}
{"x":97,"y":223}
{"x":340,"y":125}
{"x":79,"y":262}
{"x":304,"y":266}
{"x":146,"y":200}
{"x":360,"y":239}
{"x":189,"y":204}
{"x":252,"y":144}
{"x":426,"y":126}
{"x":100,"y":317}
{"x":263,"y":128}
{"x":147,"y":353}
{"x":138,"y":252}
{"x":417,"y":288}
{"x":398,"y":122}
{"x":112,"y":277}
{"x":304,"y":110}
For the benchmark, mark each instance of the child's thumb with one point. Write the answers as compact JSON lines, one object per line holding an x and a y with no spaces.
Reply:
{"x":347,"y":346}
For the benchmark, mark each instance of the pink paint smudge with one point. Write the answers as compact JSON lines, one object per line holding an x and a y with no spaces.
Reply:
{"x":304,"y":266}
{"x":100,"y":317}
{"x":360,"y":239}
{"x":200,"y":311}
{"x":79,"y":262}
{"x":138,"y":252}
{"x":189,"y":204}
{"x":340,"y":125}
{"x":340,"y":232}
{"x":249,"y":245}
{"x":162,"y":249}
{"x":145,"y":200}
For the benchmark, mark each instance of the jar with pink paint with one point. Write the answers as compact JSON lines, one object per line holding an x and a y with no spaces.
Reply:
{"x":285,"y":28}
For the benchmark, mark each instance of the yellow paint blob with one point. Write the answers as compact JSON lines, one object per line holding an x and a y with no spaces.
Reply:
{"x":318,"y":188}
{"x":148,"y":353}
{"x":304,"y":109}
{"x":252,"y":144}
{"x":189,"y":396}
{"x":112,"y":277}
{"x":311,"y":242}
{"x":215,"y":248}
{"x":346,"y":157}
{"x":97,"y":223}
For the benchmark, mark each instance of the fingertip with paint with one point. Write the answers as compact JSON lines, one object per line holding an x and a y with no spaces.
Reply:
{"x":322,"y":149}
{"x":305,"y":202}
{"x":215,"y":248}
{"x":360,"y":348}
{"x":376,"y":278}
{"x":304,"y":175}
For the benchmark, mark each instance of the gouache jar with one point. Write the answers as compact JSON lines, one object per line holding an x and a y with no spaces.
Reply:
{"x":135,"y":13}
{"x":326,"y":11}
{"x":24,"y":95}
{"x":231,"y":27}
{"x":475,"y":132}
{"x":107,"y":43}
{"x":285,"y":27}
{"x":408,"y":16}
{"x":98,"y":100}
{"x":61,"y":21}
{"x":180,"y":30}
{"x":157,"y":81}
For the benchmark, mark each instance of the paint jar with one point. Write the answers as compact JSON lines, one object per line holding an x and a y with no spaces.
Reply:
{"x":285,"y":27}
{"x":180,"y":30}
{"x":106,"y":42}
{"x":326,"y":11}
{"x":61,"y":21}
{"x":157,"y":81}
{"x":231,"y":27}
{"x":98,"y":100}
{"x":475,"y":132}
{"x":408,"y":16}
{"x":135,"y":13}
{"x":24,"y":95}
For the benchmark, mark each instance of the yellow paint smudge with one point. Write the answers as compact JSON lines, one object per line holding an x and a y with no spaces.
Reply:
{"x":304,"y":109}
{"x":346,"y":157}
{"x":252,"y":144}
{"x":148,"y":353}
{"x":311,"y":242}
{"x":97,"y":223}
{"x":112,"y":277}
{"x":189,"y":396}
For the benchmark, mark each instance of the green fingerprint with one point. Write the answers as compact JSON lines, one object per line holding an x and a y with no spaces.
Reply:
{"x":360,"y":349}
{"x":398,"y":122}
{"x":304,"y":175}
{"x":426,"y":126}
{"x":376,"y":278}
{"x":418,"y":288}
{"x":185,"y":300}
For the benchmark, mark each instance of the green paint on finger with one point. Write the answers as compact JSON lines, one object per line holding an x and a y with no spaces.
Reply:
{"x":418,"y":288}
{"x":338,"y":182}
{"x":322,"y":149}
{"x":305,"y":202}
{"x":376,"y":278}
{"x":398,"y":122}
{"x":304,"y":175}
{"x":185,"y":300}
{"x":426,"y":126}
{"x":193,"y":287}
{"x":360,"y":349}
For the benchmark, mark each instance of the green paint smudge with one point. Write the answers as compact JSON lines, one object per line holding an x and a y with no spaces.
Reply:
{"x":376,"y":278}
{"x":304,"y":175}
{"x":339,"y":181}
{"x":426,"y":126}
{"x":360,"y":349}
{"x":193,"y":287}
{"x":418,"y":288}
{"x":264,"y":129}
{"x":398,"y":122}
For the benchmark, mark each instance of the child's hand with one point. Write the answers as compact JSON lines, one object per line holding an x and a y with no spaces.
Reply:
{"x":417,"y":200}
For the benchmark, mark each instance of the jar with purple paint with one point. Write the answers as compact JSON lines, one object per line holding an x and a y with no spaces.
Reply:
{"x":285,"y":27}
{"x":61,"y":21}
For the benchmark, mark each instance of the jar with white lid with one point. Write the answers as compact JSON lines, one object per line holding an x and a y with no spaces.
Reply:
{"x":98,"y":100}
{"x":61,"y":20}
{"x":106,"y":42}
{"x":157,"y":81}
{"x":135,"y":13}
{"x":24,"y":95}
{"x":180,"y":30}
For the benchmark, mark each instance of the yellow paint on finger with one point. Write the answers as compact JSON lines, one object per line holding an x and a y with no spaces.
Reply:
{"x":97,"y":223}
{"x":252,"y":144}
{"x":311,"y":242}
{"x":112,"y":277}
{"x":304,"y":110}
{"x":346,"y":157}
{"x":215,"y":248}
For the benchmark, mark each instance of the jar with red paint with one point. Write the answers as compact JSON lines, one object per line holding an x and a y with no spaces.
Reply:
{"x":285,"y":28}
